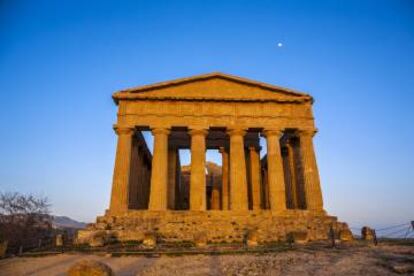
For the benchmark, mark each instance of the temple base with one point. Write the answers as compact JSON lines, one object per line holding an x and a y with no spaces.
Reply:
{"x":214,"y":226}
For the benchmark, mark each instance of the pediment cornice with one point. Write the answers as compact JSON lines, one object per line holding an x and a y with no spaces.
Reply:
{"x":213,"y":87}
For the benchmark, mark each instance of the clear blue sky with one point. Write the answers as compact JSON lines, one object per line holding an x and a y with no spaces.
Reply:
{"x":60,"y":61}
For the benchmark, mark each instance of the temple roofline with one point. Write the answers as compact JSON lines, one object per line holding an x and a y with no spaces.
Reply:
{"x":128,"y":93}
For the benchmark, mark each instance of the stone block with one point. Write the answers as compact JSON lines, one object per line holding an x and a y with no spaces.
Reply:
{"x":298,"y":237}
{"x":252,"y":238}
{"x":90,"y":268}
{"x":100,"y":238}
{"x":200,"y":239}
{"x":217,"y":226}
{"x":367,"y":233}
{"x":59,"y":240}
{"x":150,"y":239}
{"x":346,"y":235}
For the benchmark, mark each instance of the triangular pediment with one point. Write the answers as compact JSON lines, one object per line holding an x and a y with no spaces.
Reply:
{"x":214,"y":86}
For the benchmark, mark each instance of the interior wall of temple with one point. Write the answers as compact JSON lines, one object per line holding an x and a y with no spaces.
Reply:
{"x":140,"y":173}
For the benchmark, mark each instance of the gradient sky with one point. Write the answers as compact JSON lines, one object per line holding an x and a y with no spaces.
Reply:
{"x":60,"y":61}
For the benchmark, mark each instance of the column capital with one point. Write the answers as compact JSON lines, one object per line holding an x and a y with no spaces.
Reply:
{"x":273,"y":132}
{"x":236,"y":131}
{"x":160,"y":130}
{"x":198,"y":131}
{"x":307,"y":132}
{"x":119,"y":130}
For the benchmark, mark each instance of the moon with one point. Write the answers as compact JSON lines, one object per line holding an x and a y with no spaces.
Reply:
{"x":279,"y":44}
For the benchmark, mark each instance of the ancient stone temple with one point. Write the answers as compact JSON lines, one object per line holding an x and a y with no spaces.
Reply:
{"x":272,"y":194}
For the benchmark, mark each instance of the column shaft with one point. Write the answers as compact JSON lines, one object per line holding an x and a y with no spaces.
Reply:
{"x":198,"y":170}
{"x":159,"y":175}
{"x":134,"y":176}
{"x":178,"y":196}
{"x":120,"y":184}
{"x":238,"y":181}
{"x":293,"y":176}
{"x":255,"y":177}
{"x":277,"y":196}
{"x":313,"y":193}
{"x":265,"y":189}
{"x":215,"y":197}
{"x":224,"y":179}
{"x":172,"y":177}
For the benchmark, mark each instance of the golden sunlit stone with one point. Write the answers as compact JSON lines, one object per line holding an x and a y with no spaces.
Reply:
{"x":275,"y":194}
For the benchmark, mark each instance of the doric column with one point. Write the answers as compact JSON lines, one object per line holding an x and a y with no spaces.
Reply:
{"x":276,"y":181}
{"x":159,"y":176}
{"x":313,"y":193}
{"x":293,"y":176}
{"x":134,"y":175}
{"x":238,"y":181}
{"x":255,"y":176}
{"x":215,"y":196}
{"x":120,"y":183}
{"x":198,"y":170}
{"x":225,"y":178}
{"x":265,"y":189}
{"x":172,"y":177}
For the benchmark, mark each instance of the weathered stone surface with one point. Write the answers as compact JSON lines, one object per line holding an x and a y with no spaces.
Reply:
{"x":150,"y":239}
{"x":200,"y":239}
{"x":219,"y":226}
{"x":402,"y":268}
{"x":99,"y":238}
{"x":367,"y":233}
{"x":252,"y":237}
{"x":276,"y":194}
{"x":59,"y":240}
{"x":298,"y":237}
{"x":346,"y":235}
{"x":90,"y":268}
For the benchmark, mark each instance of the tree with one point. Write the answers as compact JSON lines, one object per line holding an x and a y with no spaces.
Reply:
{"x":24,"y":219}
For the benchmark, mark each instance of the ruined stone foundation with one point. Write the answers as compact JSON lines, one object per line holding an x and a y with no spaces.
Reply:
{"x":214,"y":226}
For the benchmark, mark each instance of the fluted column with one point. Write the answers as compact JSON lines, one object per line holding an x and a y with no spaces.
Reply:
{"x":159,"y":175}
{"x":265,"y":189}
{"x":225,"y":178}
{"x":172,"y":177}
{"x":293,"y":176}
{"x":276,"y":181}
{"x":120,"y":182}
{"x":238,"y":181}
{"x":313,"y":193}
{"x":255,"y":176}
{"x":215,"y":196}
{"x":198,"y":170}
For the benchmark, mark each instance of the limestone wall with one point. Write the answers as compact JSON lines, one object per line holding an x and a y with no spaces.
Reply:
{"x":217,"y":226}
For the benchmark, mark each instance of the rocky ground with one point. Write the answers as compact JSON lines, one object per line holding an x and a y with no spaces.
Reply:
{"x":308,"y":260}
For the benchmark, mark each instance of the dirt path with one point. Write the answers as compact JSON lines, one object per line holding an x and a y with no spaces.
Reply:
{"x":381,"y":260}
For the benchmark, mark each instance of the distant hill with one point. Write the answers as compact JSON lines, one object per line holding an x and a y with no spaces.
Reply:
{"x":66,"y":222}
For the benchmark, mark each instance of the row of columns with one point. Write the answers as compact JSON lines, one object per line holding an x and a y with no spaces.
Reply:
{"x":234,"y":176}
